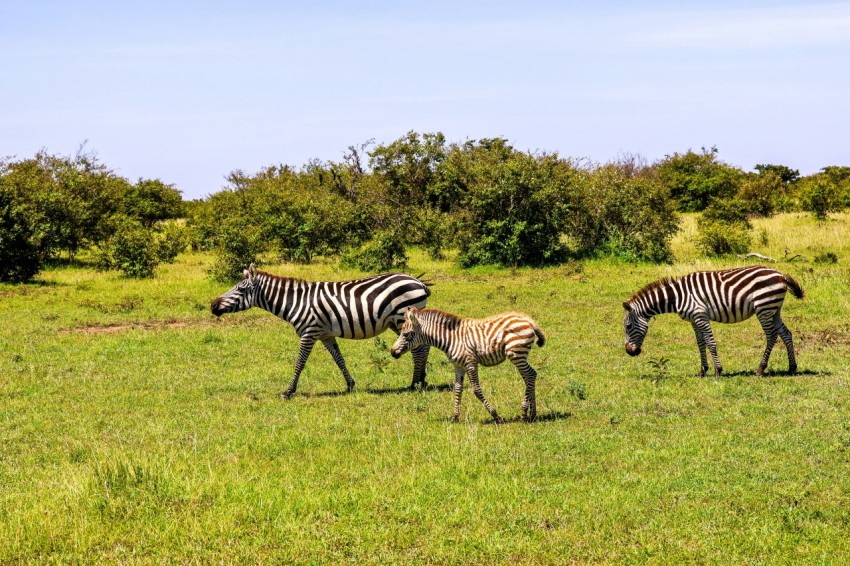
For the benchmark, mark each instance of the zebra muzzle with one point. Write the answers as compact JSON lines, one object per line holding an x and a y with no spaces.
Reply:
{"x":632,"y":350}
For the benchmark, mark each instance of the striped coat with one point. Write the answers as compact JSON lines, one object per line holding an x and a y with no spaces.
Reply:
{"x":325,"y":311}
{"x":469,"y":343}
{"x":729,"y":296}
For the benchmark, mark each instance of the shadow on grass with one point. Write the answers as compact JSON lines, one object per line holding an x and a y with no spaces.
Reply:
{"x":772,"y":373}
{"x":541,"y":418}
{"x":407,"y":389}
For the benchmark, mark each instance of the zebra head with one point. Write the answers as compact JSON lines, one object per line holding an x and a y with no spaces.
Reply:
{"x":635,"y":323}
{"x":410,"y":334}
{"x":241,"y":297}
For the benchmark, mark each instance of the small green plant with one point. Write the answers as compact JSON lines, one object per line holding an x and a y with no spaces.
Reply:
{"x":379,"y":354}
{"x":577,"y":390}
{"x":659,"y":370}
{"x":826,"y":257}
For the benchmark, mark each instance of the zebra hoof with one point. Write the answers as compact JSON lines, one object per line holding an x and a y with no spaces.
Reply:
{"x":498,"y":420}
{"x":702,"y":372}
{"x":455,"y":419}
{"x":718,"y":372}
{"x":286,"y":395}
{"x":760,"y":371}
{"x":792,"y":370}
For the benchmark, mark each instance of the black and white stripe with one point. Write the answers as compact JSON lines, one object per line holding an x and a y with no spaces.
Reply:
{"x":732,"y":295}
{"x":469,"y":342}
{"x":325,"y":311}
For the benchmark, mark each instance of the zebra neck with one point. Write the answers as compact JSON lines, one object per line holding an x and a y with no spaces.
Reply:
{"x":282,"y":296}
{"x":437,"y":330}
{"x":664,"y":298}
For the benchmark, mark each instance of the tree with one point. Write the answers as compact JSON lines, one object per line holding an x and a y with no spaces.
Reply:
{"x":151,"y":200}
{"x":695,"y":179}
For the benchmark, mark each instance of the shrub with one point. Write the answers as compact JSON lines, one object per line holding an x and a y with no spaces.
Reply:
{"x":820,"y":196}
{"x":514,"y":205}
{"x":624,"y":214}
{"x":239,"y":243}
{"x":724,"y":229}
{"x":762,"y":194}
{"x":384,"y":252}
{"x":172,"y":240}
{"x":826,"y":257}
{"x":695,"y":179}
{"x":21,"y":253}
{"x":133,"y":249}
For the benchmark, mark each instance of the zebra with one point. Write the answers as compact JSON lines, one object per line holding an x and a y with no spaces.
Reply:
{"x":323,"y":311}
{"x":469,"y":342}
{"x":731,"y":295}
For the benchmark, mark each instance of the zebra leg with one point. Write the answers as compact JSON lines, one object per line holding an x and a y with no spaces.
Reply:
{"x":767,"y":320}
{"x":785,"y":334}
{"x":703,"y":360}
{"x":459,"y":371}
{"x":472,"y":370}
{"x":529,"y":376}
{"x":420,"y":359}
{"x":704,"y":325}
{"x":305,"y":347}
{"x":333,"y":348}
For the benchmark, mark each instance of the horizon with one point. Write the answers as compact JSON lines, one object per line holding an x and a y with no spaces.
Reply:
{"x":189,"y":93}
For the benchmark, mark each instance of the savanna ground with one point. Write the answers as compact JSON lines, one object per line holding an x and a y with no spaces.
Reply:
{"x":135,"y":427}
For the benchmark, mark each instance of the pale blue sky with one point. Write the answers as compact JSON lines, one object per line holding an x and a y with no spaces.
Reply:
{"x":188,"y":91}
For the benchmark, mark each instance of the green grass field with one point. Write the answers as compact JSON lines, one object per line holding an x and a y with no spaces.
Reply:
{"x":135,"y":427}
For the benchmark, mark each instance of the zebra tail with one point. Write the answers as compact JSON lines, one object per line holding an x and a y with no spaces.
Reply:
{"x":541,"y":338}
{"x":426,"y":283}
{"x":794,"y":287}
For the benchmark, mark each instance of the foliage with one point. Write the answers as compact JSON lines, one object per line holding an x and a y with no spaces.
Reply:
{"x":625,"y":213}
{"x":724,"y":228}
{"x":239,"y":244}
{"x":785,"y":174}
{"x":384,"y":252}
{"x":695,"y":179}
{"x":172,"y":240}
{"x":514,"y":205}
{"x":132,"y":249}
{"x":151,"y":200}
{"x":21,"y":252}
{"x":820,"y":196}
{"x":763,"y":194}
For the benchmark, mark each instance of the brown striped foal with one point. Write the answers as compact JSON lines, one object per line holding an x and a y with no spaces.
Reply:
{"x":469,"y":342}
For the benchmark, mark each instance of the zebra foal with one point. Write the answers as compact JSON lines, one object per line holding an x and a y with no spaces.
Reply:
{"x":324,"y":311}
{"x":731,"y":295}
{"x":469,"y":342}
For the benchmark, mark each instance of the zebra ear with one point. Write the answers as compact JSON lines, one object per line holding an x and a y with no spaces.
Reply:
{"x":252,"y":271}
{"x":627,"y":306}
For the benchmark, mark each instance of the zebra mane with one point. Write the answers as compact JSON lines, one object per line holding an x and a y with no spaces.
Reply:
{"x":663,"y":282}
{"x":446,"y":319}
{"x":280,"y":277}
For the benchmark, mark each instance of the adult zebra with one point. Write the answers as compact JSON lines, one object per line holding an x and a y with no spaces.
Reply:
{"x":731,"y":295}
{"x":324,"y":311}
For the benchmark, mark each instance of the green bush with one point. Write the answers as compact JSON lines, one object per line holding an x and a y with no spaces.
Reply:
{"x":623,"y":213}
{"x":133,"y":249}
{"x":384,"y":252}
{"x":172,"y":240}
{"x":695,"y":179}
{"x":724,"y":229}
{"x":820,"y":196}
{"x":239,"y":243}
{"x":21,"y":252}
{"x":513,"y":205}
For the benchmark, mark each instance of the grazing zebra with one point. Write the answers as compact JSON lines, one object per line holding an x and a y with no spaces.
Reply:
{"x":468,"y":342}
{"x":324,"y":311}
{"x":731,"y":295}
